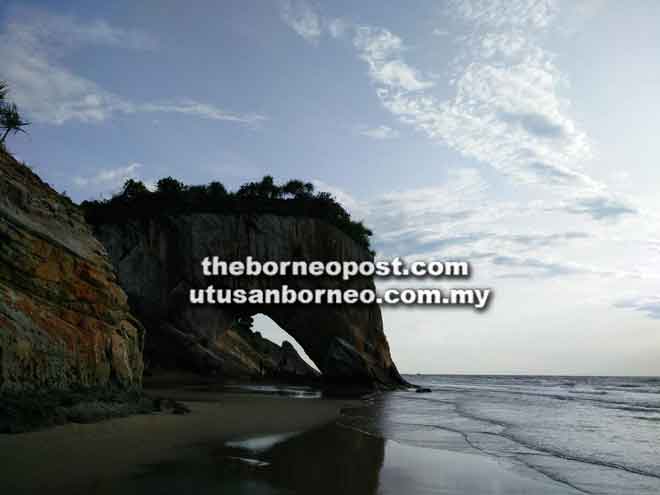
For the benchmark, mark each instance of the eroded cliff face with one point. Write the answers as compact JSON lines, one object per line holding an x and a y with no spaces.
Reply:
{"x":250,"y":354}
{"x":64,"y":320}
{"x":158,"y":262}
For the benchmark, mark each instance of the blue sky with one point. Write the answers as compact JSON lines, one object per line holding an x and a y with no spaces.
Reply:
{"x":520,"y":134}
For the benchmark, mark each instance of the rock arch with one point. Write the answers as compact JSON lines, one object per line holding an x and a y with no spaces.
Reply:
{"x":158,"y":262}
{"x":269,"y":329}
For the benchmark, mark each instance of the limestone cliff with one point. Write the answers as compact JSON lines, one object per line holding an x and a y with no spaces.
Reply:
{"x":158,"y":261}
{"x":64,"y":321}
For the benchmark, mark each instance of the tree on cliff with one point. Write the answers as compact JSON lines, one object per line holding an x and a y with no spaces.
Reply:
{"x":264,"y":189}
{"x":10,"y":119}
{"x":170,"y":188}
{"x":298,"y":188}
{"x":134,"y":189}
{"x":293,"y":198}
{"x":216,"y":190}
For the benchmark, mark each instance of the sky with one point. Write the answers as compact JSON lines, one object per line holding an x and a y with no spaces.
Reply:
{"x":520,"y":135}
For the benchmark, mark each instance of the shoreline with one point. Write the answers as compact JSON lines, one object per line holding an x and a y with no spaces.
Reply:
{"x":242,"y":442}
{"x":80,"y":458}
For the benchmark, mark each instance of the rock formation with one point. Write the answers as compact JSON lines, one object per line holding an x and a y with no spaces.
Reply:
{"x":250,"y":354}
{"x":158,"y":262}
{"x":64,"y":321}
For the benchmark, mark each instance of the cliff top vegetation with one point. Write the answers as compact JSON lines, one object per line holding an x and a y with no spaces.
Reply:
{"x":171,"y":197}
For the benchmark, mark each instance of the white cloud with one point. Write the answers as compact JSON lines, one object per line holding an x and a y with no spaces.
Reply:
{"x":382,"y":52}
{"x":549,"y":267}
{"x":302,"y":18}
{"x":31,"y":50}
{"x":355,"y":207}
{"x":381,"y":132}
{"x":506,"y":115}
{"x":108,"y":179}
{"x":440,"y":32}
{"x":50,"y":93}
{"x":599,"y":206}
{"x":205,"y":110}
{"x":405,"y":220}
{"x":507,"y":110}
{"x":462,"y":218}
{"x":337,"y":27}
{"x":67,"y":30}
{"x":502,"y":14}
{"x":649,"y":305}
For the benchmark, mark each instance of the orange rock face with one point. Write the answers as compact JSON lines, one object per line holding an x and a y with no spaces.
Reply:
{"x":64,"y":321}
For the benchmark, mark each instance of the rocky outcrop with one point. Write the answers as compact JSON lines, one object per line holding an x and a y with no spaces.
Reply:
{"x":158,"y":262}
{"x":64,"y":321}
{"x":252,"y":355}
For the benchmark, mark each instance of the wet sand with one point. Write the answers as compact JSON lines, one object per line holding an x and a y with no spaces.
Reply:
{"x":246,"y":443}
{"x":90,"y":458}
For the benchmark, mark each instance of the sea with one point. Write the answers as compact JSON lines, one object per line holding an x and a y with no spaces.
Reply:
{"x":468,"y":435}
{"x":578,"y":434}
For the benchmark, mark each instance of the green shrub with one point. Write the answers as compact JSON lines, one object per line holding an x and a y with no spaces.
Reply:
{"x":294,"y":198}
{"x":10,"y":119}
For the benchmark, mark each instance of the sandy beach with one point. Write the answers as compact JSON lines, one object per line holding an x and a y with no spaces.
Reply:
{"x":90,"y":458}
{"x":265,"y":439}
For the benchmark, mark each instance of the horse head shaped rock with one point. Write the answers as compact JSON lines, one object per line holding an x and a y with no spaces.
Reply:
{"x":158,"y":261}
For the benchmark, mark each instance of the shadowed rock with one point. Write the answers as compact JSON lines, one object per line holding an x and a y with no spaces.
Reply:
{"x":158,"y":262}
